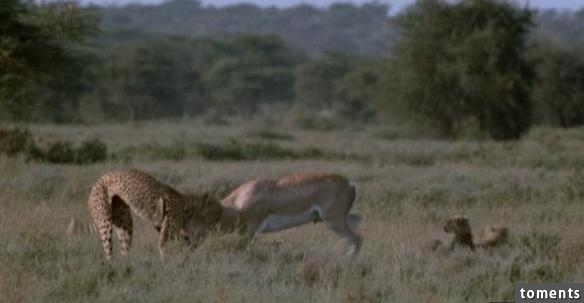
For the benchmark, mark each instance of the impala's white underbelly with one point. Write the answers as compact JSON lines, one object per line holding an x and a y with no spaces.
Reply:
{"x":278,"y":222}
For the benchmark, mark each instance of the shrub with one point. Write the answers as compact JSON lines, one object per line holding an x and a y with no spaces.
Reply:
{"x":235,"y":150}
{"x":318,"y":123}
{"x":20,"y":141}
{"x":559,"y":94}
{"x":447,"y":69}
{"x":14,"y":141}
{"x":60,"y":152}
{"x":267,"y":134}
{"x":34,"y":153}
{"x":64,"y":152}
{"x":91,"y":151}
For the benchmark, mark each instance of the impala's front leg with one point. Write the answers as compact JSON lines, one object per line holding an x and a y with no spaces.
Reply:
{"x":250,"y":229}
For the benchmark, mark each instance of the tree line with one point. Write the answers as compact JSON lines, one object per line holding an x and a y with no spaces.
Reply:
{"x":474,"y":65}
{"x":341,"y":27}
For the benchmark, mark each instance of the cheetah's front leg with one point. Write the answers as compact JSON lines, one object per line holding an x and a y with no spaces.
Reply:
{"x":168,"y":231}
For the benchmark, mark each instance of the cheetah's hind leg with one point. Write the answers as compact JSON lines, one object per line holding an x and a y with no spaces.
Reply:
{"x":101,"y":213}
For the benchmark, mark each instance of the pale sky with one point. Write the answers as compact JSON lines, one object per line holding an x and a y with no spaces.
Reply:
{"x":395,"y":4}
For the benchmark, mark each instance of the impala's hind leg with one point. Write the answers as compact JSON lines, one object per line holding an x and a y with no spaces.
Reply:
{"x":122,"y":220}
{"x":101,"y":213}
{"x":341,"y":228}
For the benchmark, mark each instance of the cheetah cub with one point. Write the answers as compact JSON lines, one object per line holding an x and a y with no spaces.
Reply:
{"x":116,"y":194}
{"x":460,"y":227}
{"x":493,"y":236}
{"x":490,"y":236}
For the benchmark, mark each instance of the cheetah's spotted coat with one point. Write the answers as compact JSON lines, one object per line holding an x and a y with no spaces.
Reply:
{"x":117,"y":193}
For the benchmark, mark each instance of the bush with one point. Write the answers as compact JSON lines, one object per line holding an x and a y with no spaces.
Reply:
{"x":447,"y":69}
{"x":91,"y":151}
{"x":60,"y":153}
{"x":235,"y":150}
{"x":176,"y":151}
{"x":15,"y":141}
{"x":318,"y":123}
{"x":20,"y":141}
{"x":267,"y":134}
{"x":231,"y":150}
{"x":559,"y":95}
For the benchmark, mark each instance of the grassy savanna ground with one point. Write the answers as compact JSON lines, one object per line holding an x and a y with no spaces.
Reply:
{"x":408,"y":187}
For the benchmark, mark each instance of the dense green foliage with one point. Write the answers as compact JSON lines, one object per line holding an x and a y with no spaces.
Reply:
{"x":455,"y":63}
{"x":341,"y":27}
{"x":16,"y":141}
{"x":560,"y":90}
{"x":460,"y":68}
{"x":42,"y":59}
{"x":149,"y":79}
{"x":162,"y":77}
{"x":343,"y":84}
{"x":257,"y":70}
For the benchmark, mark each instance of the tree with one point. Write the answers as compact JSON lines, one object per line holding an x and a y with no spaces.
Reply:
{"x":452,"y":63}
{"x":153,"y":78}
{"x":559,"y":93}
{"x":259,"y":69}
{"x":41,"y":59}
{"x":354,"y":29}
{"x":338,"y":83}
{"x":318,"y":80}
{"x":356,"y":92}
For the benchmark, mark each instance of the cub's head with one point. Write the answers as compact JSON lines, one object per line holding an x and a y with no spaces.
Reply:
{"x":457,"y":225}
{"x":204,"y":211}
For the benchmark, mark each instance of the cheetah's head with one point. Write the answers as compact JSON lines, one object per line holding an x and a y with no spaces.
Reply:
{"x":203,"y":212}
{"x":457,"y":225}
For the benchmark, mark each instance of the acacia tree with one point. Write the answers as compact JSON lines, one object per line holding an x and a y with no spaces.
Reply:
{"x":339,"y":83}
{"x":257,"y":70}
{"x":452,"y":63}
{"x":559,"y":94}
{"x":153,"y":78}
{"x":41,"y":62}
{"x":318,"y":80}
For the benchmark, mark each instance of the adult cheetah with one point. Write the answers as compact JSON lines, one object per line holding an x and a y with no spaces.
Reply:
{"x":116,"y":193}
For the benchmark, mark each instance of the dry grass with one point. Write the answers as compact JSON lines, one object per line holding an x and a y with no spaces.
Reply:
{"x":407,"y":189}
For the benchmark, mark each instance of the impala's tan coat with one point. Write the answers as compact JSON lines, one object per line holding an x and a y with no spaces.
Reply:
{"x":262,"y":206}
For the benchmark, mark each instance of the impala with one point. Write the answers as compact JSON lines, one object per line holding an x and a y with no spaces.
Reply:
{"x":262,"y":206}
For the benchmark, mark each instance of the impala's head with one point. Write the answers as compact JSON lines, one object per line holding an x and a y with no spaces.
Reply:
{"x":457,"y":225}
{"x":204,"y":212}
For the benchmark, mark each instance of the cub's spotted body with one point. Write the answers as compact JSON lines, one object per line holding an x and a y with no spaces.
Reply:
{"x":116,"y":194}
